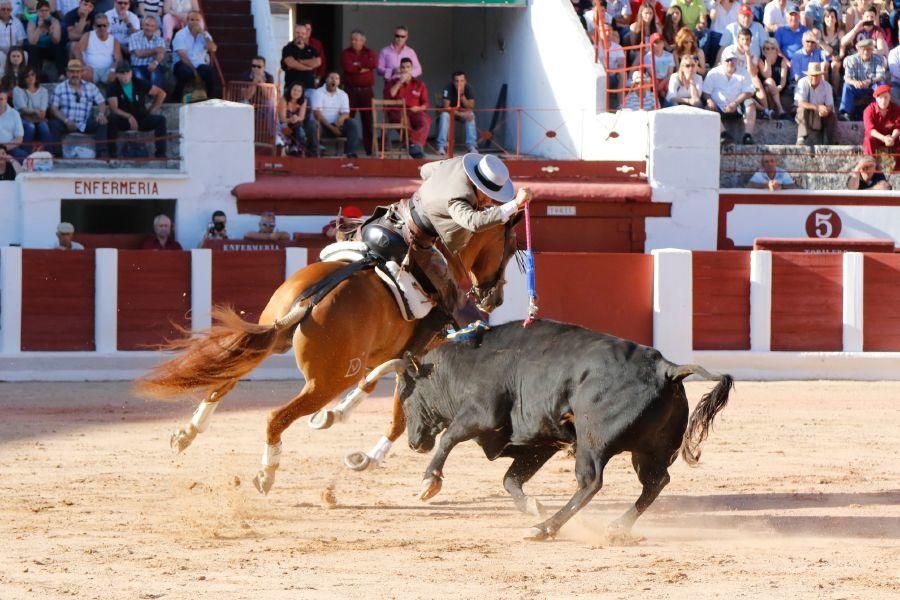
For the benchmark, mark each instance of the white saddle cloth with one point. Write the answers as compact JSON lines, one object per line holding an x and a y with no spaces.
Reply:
{"x":412,"y":300}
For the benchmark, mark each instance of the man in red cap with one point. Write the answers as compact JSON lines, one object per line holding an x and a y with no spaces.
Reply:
{"x":882,"y":123}
{"x":745,"y":21}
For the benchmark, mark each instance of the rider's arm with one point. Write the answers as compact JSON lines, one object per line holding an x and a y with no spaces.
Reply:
{"x":474,"y":220}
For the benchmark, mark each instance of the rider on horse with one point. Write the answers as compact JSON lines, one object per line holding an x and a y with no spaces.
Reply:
{"x":458,"y":197}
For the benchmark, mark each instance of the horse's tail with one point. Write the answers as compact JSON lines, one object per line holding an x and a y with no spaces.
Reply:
{"x":228,"y":350}
{"x":706,"y":410}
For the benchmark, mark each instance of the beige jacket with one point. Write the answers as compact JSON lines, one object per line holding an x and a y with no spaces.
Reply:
{"x":447,"y":199}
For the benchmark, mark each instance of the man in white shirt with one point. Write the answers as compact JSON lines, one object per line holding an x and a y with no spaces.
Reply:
{"x":64,"y":233}
{"x":190,"y":52}
{"x":731,"y":95}
{"x":331,"y":116}
{"x":122,"y":22}
{"x":12,"y":32}
{"x":775,"y":15}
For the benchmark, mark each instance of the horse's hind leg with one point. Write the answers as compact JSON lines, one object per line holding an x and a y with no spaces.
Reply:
{"x":310,"y":399}
{"x":182,"y":438}
{"x":524,"y":465}
{"x":653,"y":474}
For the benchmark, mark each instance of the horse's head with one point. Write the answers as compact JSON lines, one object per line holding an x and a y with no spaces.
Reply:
{"x":488,"y":253}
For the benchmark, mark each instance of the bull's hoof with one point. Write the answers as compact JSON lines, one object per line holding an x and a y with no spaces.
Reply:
{"x":264,"y":480}
{"x":533,"y":507}
{"x":430,"y":488}
{"x":359,"y":461}
{"x":181,"y":439}
{"x":322,"y":419}
{"x":538,"y":534}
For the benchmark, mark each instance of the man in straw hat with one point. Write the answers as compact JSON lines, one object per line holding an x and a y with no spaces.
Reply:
{"x":72,"y":104}
{"x":863,"y":72}
{"x":815,"y":106}
{"x":458,"y":197}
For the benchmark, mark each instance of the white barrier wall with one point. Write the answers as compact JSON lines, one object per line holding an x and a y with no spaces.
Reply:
{"x":683,"y":168}
{"x":672,"y":325}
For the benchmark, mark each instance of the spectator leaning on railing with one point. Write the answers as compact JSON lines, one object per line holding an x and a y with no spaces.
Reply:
{"x":865,"y":176}
{"x":64,"y":233}
{"x":267,"y":229}
{"x":162,"y":235}
{"x":771,"y":176}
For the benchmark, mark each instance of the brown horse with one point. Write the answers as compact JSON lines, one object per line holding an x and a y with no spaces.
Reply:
{"x":356,"y":327}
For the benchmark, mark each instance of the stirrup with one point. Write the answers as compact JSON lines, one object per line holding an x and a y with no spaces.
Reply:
{"x":468,"y":332}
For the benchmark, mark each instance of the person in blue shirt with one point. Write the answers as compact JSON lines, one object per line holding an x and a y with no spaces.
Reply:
{"x":790,"y":37}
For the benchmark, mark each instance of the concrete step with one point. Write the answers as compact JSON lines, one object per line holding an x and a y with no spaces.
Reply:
{"x":812,"y":167}
{"x":785,"y":132}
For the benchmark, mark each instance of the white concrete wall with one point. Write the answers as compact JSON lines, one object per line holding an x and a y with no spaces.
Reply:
{"x":10,"y":214}
{"x":683,"y":168}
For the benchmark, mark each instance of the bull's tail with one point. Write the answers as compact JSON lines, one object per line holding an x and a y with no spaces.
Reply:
{"x":227,"y":351}
{"x":706,"y":410}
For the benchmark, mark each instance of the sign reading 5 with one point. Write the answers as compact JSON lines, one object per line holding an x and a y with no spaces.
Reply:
{"x":823,"y":223}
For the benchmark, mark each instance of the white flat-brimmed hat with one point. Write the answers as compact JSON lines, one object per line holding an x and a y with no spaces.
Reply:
{"x":490,"y":175}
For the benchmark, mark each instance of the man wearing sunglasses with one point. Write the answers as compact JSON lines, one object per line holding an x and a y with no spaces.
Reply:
{"x":391,"y":55}
{"x":730,"y":93}
{"x":72,"y":107}
{"x":122,"y":22}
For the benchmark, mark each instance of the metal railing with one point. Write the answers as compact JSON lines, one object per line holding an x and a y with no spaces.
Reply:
{"x":602,"y":42}
{"x":263,"y":97}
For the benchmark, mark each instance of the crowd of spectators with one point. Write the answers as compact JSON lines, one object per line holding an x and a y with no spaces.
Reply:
{"x":816,"y":62}
{"x":313,"y":106}
{"x":108,"y":60}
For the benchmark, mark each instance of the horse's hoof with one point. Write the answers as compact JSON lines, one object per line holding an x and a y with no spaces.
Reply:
{"x":322,"y":419}
{"x":358,"y":461}
{"x":264,"y":480}
{"x":533,"y":507}
{"x":537,"y":534}
{"x":430,"y":488}
{"x":180,"y":440}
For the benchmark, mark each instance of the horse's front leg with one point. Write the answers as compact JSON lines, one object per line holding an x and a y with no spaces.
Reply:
{"x":360,"y":461}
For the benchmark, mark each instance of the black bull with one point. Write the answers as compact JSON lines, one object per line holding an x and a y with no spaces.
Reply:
{"x":526,"y":393}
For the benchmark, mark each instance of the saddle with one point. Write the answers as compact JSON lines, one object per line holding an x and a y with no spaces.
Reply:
{"x":382,"y":241}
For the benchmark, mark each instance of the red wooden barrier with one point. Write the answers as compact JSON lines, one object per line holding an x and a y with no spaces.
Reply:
{"x":602,"y":291}
{"x":822,"y":245}
{"x":721,"y":300}
{"x":807,"y":301}
{"x":881,"y":302}
{"x":246,"y":280}
{"x":57,"y":300}
{"x":154,"y":293}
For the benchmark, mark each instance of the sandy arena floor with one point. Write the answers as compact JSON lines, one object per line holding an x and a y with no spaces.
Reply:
{"x":797,"y":495}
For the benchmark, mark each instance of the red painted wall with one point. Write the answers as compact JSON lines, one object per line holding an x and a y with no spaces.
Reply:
{"x":154,"y":296}
{"x":57,"y":300}
{"x":246,"y":280}
{"x":881,"y":302}
{"x":721,"y":300}
{"x":807,"y":301}
{"x":605,"y":292}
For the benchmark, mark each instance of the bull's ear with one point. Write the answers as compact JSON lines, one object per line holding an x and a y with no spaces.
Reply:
{"x":412,"y":366}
